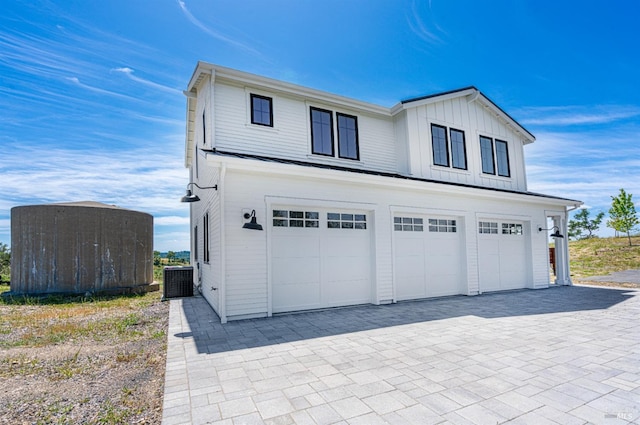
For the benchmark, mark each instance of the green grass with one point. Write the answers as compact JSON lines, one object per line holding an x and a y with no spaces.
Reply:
{"x":58,"y":319}
{"x":601,"y":256}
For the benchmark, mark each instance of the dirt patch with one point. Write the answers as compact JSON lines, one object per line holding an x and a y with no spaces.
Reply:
{"x":88,"y":362}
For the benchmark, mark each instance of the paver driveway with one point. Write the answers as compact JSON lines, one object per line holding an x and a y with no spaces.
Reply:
{"x":566,"y":355}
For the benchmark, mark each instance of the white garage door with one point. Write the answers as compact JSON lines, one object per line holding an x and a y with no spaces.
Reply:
{"x":502,"y":255}
{"x":428,"y":256}
{"x":320,"y":258}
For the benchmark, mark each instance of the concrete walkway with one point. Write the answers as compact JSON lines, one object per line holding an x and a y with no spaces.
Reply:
{"x":566,"y":355}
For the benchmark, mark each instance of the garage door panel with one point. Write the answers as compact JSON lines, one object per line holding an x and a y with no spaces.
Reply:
{"x":298,"y":296}
{"x":347,"y":292}
{"x":427,"y":263}
{"x":502,"y":256}
{"x":296,"y":246}
{"x":321,"y":265}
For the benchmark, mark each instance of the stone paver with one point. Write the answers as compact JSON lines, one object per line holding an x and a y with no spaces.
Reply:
{"x":563,"y":355}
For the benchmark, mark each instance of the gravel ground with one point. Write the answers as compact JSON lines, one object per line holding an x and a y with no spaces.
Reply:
{"x":83,"y":364}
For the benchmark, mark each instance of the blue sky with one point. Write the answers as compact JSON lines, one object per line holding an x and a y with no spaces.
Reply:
{"x":92,"y":104}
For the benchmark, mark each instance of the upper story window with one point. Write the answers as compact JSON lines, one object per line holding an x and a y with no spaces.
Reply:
{"x":490,"y":157}
{"x":261,"y":110}
{"x":204,"y":128}
{"x":322,"y":134}
{"x":347,"y":136}
{"x":450,"y":152}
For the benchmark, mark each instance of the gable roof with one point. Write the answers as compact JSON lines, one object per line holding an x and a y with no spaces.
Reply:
{"x":473,"y":95}
{"x":205,"y":70}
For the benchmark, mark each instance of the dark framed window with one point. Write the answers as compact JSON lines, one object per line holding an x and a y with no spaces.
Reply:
{"x":347,"y":136}
{"x":205,"y":237}
{"x":195,"y":243}
{"x":458,"y":149}
{"x":502,"y":158}
{"x":486,"y":155}
{"x":440,"y":145}
{"x":204,"y":128}
{"x":321,"y":132}
{"x":261,"y":110}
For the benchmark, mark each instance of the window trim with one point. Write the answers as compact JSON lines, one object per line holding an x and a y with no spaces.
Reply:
{"x":253,"y":118}
{"x":313,"y":145}
{"x":357,"y":135}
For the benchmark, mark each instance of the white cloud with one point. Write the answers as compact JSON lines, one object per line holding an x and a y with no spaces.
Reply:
{"x":129,"y":73}
{"x":584,"y":165}
{"x":213,"y":33}
{"x":172,"y":220}
{"x":576,"y":115}
{"x":420,"y":28}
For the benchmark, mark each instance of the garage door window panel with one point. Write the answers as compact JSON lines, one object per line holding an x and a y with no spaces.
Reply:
{"x":488,"y":227}
{"x":511,"y":229}
{"x":346,"y":221}
{"x":286,"y":218}
{"x":408,"y":224}
{"x":442,"y":225}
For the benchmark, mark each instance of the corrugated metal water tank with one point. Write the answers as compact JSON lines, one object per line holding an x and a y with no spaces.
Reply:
{"x":80,"y":247}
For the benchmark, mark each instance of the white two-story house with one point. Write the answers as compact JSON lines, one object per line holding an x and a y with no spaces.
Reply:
{"x":307,"y":199}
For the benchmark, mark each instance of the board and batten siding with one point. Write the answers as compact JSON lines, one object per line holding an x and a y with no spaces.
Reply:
{"x":290,"y":135}
{"x":247,"y":257}
{"x":207,"y":274}
{"x":475,"y":120}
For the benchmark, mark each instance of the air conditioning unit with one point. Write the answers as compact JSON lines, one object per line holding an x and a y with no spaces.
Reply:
{"x":178,"y":281}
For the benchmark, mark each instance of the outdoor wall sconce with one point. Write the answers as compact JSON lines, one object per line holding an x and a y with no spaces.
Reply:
{"x":190,"y":197}
{"x":253,"y":224}
{"x":555,"y":234}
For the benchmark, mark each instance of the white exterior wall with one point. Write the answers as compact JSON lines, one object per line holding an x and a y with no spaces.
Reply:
{"x":290,"y":136}
{"x":475,"y":120}
{"x":248,"y":251}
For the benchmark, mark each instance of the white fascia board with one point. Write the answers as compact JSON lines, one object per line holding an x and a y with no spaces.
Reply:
{"x":245,"y":78}
{"x":433,"y":99}
{"x":256,"y":166}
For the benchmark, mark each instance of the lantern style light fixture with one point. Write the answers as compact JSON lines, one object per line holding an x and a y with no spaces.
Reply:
{"x":253,"y":224}
{"x":191,"y":197}
{"x":555,"y":234}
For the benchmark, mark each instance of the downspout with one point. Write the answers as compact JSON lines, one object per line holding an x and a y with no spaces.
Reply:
{"x":223,"y":249}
